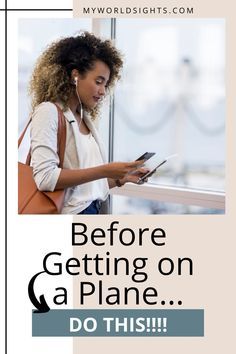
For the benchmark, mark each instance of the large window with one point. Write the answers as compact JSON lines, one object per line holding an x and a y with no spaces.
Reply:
{"x":172,"y":100}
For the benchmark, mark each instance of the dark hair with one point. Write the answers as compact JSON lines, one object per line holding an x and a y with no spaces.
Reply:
{"x":80,"y":53}
{"x":51,"y":78}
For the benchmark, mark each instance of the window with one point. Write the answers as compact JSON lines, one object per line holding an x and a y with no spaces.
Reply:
{"x":172,"y":100}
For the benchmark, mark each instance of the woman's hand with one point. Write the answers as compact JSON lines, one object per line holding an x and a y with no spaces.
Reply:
{"x":121,"y":170}
{"x":134,"y":177}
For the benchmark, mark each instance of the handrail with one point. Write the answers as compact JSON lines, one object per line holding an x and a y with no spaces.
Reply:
{"x":171,"y":194}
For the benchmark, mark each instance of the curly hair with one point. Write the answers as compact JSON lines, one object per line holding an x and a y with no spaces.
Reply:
{"x":51,"y":77}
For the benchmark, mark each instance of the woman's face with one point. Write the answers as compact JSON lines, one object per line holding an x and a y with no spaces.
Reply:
{"x":91,"y":86}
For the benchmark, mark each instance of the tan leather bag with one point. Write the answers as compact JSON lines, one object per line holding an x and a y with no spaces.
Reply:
{"x":30,"y":199}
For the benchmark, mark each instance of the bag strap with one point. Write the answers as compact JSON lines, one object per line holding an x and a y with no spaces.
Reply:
{"x":24,"y":131}
{"x":61,"y":137}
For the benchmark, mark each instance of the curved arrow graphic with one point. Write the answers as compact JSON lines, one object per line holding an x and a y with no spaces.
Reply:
{"x":40,"y":304}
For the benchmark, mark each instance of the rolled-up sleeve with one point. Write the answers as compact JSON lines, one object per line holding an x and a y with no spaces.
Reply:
{"x":44,"y":156}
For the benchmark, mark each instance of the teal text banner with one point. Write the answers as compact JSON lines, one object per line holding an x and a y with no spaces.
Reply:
{"x":119,"y":323}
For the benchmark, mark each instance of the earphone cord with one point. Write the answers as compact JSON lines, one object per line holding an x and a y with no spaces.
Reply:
{"x":81,"y":107}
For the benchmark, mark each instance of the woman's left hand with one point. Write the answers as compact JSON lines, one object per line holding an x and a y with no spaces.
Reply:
{"x":135,"y":176}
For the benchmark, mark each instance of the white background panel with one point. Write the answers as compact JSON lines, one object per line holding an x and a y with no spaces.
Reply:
{"x":42,"y":4}
{"x":2,"y":173}
{"x":30,"y":238}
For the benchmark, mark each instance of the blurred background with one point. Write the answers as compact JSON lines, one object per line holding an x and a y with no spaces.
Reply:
{"x":171,"y":99}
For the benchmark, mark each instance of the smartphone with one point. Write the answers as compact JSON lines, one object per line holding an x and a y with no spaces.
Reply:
{"x":150,"y":173}
{"x":146,"y":156}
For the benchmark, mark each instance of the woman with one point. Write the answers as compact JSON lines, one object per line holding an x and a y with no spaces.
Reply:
{"x":75,"y":73}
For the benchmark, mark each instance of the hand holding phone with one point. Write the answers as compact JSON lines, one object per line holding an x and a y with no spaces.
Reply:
{"x":146,"y":156}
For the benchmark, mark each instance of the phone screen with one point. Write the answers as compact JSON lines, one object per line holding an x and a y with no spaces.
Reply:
{"x":153,"y":170}
{"x":150,"y":173}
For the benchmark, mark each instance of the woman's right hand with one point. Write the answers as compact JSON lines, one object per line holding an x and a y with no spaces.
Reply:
{"x":117,"y":170}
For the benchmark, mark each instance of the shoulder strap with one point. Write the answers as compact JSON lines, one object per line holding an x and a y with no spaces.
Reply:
{"x":24,"y":131}
{"x":61,"y":137}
